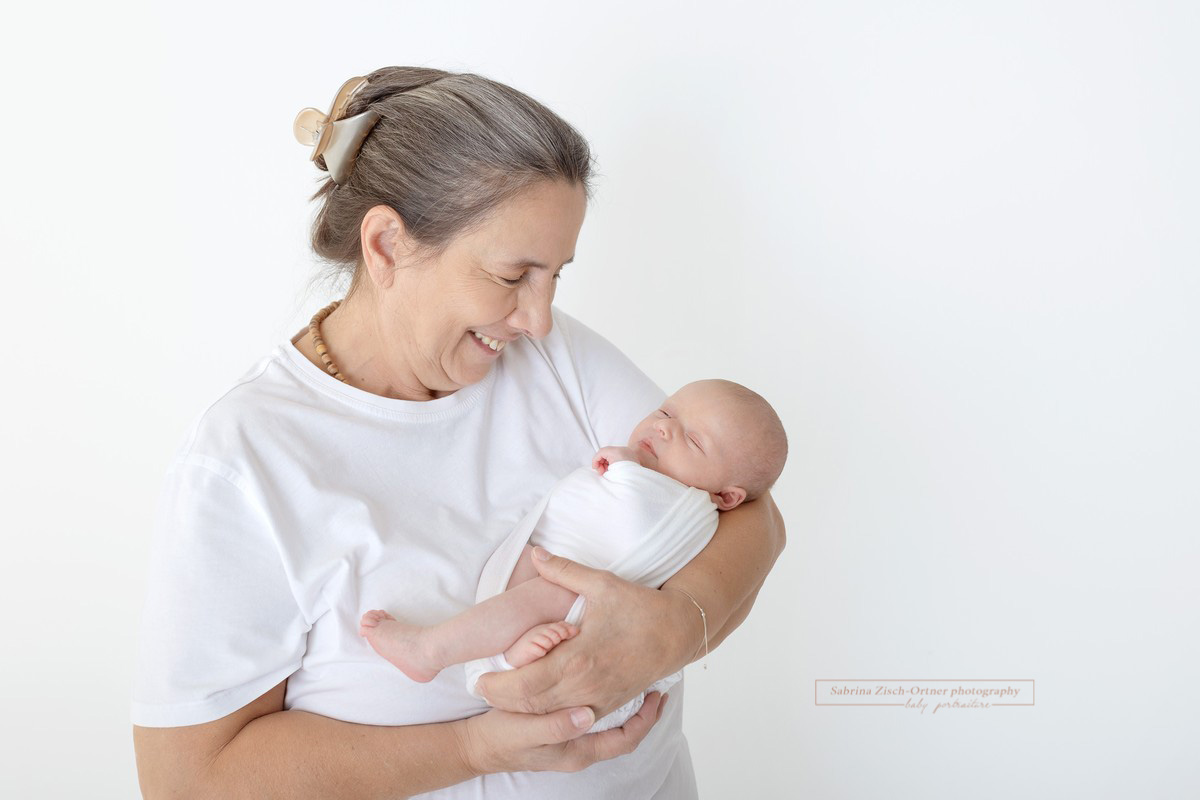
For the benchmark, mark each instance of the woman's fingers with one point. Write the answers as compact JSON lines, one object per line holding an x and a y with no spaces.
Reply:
{"x":622,"y":647}
{"x":624,"y":740}
{"x":567,"y":573}
{"x":565,"y":725}
{"x":500,"y":741}
{"x":528,"y":690}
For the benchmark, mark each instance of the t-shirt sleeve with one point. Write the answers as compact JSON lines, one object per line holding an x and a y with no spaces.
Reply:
{"x":616,"y":394}
{"x":221,"y":624}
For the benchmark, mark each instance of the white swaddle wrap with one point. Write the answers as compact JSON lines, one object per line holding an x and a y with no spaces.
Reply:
{"x":634,"y":522}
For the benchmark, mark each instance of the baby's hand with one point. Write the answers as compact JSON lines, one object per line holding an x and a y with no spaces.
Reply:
{"x":607,"y":456}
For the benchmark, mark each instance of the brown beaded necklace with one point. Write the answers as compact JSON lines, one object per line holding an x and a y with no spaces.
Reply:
{"x":314,"y":328}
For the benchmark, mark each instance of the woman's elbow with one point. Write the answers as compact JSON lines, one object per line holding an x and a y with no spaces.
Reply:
{"x":163,"y":768}
{"x":181,"y":762}
{"x":776,"y":532}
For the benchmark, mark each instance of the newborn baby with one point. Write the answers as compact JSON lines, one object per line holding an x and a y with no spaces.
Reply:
{"x":642,"y":512}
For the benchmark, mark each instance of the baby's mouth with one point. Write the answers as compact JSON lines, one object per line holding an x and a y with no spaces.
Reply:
{"x":645,"y":444}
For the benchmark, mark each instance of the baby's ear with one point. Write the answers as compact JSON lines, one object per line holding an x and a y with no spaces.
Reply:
{"x":729,"y":497}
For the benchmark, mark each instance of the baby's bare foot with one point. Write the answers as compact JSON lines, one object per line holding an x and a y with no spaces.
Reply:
{"x":400,"y":643}
{"x":538,"y":641}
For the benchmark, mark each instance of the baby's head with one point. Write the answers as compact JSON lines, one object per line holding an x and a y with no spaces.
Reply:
{"x":717,"y":436}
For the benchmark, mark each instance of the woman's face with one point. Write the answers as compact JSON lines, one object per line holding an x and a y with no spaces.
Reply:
{"x":496,"y":282}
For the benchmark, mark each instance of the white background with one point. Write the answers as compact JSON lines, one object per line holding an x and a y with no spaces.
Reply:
{"x":955,"y":243}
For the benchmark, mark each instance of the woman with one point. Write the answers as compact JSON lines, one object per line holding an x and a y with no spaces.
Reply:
{"x":377,"y":459}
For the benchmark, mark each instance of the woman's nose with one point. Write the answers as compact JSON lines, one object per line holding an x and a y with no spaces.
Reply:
{"x":533,"y":316}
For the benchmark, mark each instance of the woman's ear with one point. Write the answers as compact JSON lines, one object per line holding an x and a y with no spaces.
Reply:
{"x":383,"y":237}
{"x":729,"y":497}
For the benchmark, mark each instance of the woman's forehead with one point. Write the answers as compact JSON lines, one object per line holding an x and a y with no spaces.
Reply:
{"x":540,"y":226}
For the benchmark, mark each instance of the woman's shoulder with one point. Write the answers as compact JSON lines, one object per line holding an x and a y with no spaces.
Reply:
{"x":243,"y":410}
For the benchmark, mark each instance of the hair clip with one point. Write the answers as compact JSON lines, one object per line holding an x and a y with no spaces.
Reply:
{"x":333,"y":137}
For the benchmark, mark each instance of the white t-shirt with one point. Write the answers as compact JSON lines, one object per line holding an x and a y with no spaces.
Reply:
{"x":298,"y":502}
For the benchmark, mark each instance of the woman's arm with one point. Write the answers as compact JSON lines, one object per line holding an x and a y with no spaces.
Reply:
{"x":726,"y":576}
{"x":631,"y":636}
{"x":262,"y":751}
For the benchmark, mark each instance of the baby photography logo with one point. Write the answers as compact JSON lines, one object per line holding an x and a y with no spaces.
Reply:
{"x":926,"y":694}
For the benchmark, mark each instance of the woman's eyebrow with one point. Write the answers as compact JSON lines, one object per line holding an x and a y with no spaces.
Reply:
{"x":526,"y":262}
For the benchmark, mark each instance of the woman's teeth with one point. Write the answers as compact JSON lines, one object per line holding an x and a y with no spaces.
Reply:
{"x":495,"y":344}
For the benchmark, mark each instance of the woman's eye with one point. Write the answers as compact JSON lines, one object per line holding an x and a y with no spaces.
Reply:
{"x":517,"y":281}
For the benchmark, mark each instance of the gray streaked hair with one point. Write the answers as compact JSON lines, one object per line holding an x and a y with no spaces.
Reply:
{"x":448,"y":149}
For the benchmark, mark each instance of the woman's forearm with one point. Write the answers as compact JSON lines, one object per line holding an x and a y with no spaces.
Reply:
{"x":738,"y":616}
{"x":725,"y":578}
{"x":295,"y":754}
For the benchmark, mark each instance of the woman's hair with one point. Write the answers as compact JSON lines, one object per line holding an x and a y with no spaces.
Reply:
{"x":448,"y":149}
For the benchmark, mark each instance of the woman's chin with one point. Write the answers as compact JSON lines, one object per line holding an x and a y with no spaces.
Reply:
{"x":470,"y":362}
{"x":471,"y":371}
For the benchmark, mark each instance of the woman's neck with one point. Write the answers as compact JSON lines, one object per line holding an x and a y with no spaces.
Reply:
{"x":369,"y":359}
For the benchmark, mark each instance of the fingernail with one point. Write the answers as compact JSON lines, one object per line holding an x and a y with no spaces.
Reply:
{"x":540,"y":554}
{"x":582,"y":717}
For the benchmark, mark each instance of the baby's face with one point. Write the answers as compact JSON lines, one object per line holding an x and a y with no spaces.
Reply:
{"x":693,"y":437}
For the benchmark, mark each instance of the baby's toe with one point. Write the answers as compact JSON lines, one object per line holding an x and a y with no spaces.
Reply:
{"x":373,"y":618}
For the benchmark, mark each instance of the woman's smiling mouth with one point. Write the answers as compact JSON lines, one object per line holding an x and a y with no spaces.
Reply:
{"x":495,"y":345}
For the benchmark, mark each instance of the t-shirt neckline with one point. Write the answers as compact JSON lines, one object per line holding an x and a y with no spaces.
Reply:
{"x":311,"y":374}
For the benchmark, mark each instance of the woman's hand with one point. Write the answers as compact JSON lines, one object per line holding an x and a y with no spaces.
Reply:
{"x":630,"y":637}
{"x":501,"y":741}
